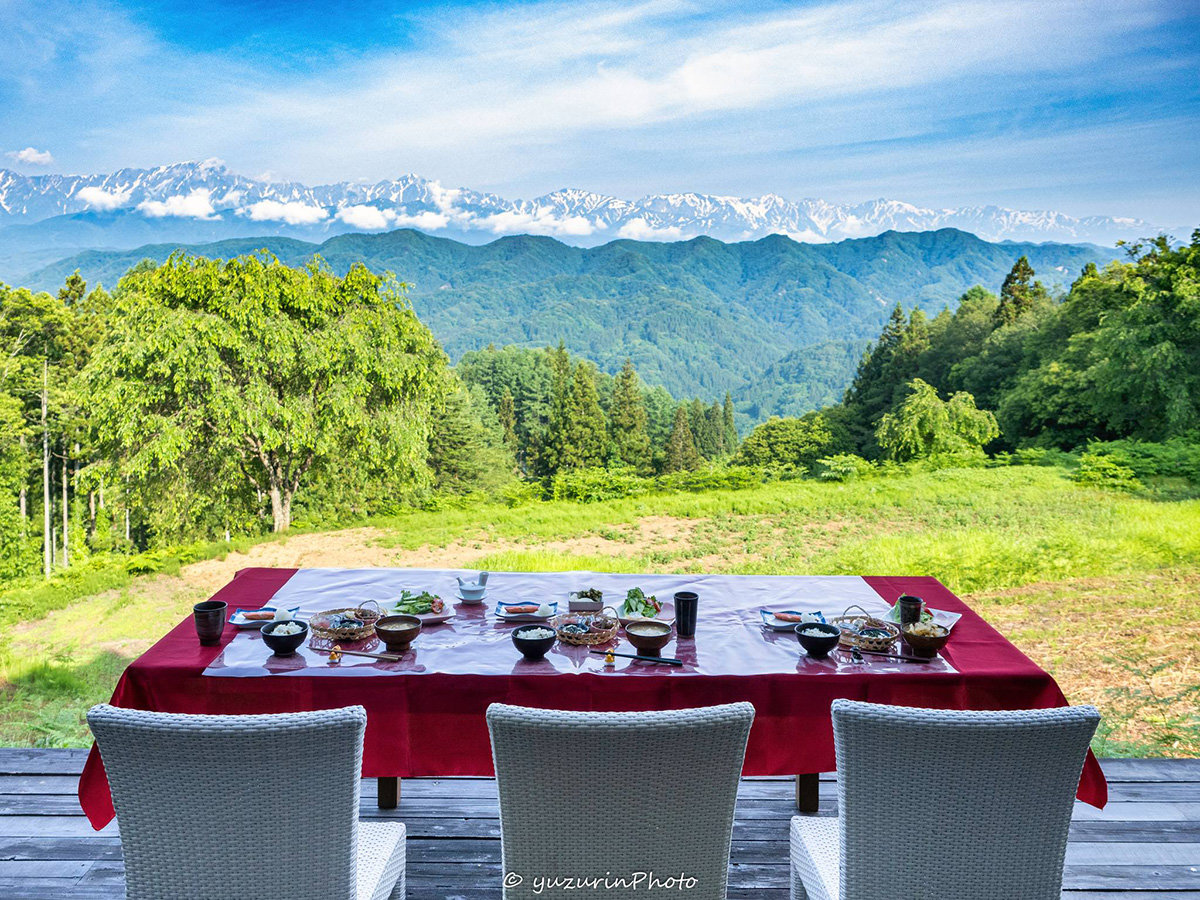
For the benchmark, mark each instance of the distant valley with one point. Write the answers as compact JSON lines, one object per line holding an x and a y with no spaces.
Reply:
{"x":780,"y":324}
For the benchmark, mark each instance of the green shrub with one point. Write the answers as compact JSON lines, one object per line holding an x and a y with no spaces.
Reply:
{"x":1103,"y":471}
{"x":717,"y":478}
{"x":1176,"y":458}
{"x":593,"y":485}
{"x":844,"y":467}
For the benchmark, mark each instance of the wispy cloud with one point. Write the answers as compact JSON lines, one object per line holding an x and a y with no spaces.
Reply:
{"x":634,"y":97}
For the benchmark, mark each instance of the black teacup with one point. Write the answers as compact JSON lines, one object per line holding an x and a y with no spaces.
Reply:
{"x":210,"y":621}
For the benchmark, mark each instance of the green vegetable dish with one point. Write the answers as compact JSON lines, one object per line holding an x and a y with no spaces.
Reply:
{"x":411,"y":604}
{"x":638,"y":605}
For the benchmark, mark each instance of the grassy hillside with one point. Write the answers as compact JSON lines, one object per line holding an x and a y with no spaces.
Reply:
{"x":1097,"y":586}
{"x":699,"y":317}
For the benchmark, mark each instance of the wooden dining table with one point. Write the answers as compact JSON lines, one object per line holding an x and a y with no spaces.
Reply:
{"x":425,"y":711}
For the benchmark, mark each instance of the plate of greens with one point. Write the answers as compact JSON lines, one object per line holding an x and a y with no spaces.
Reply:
{"x":638,"y":605}
{"x":429,"y":608}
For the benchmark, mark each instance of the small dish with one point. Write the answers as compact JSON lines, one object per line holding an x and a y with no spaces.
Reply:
{"x":398,"y":632}
{"x":649,"y":636}
{"x":283,"y":644}
{"x":473,"y":591}
{"x":239,"y":616}
{"x":533,"y":647}
{"x":770,"y":620}
{"x":818,"y":645}
{"x":502,"y":614}
{"x":589,"y":604}
{"x":926,"y":645}
{"x":666,"y":614}
{"x":938,"y":616}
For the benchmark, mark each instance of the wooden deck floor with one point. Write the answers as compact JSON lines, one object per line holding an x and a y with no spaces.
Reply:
{"x":1144,"y":846}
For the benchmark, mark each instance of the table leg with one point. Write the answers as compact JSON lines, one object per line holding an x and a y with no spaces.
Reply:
{"x":389,"y":792}
{"x":807,"y":792}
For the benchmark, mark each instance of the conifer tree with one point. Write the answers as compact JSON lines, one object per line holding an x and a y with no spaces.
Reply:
{"x":508,"y":418}
{"x":586,"y":439}
{"x":729,"y":426}
{"x":1019,"y":293}
{"x":717,"y":428}
{"x":631,"y":444}
{"x":681,"y":449}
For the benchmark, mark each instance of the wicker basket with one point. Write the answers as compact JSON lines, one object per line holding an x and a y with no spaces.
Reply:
{"x":362,"y":612}
{"x":591,"y":637}
{"x":880,"y":643}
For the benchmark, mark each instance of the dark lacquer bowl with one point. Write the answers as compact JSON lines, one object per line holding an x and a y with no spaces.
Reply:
{"x":533,"y":648}
{"x":649,"y":636}
{"x":283,"y":644}
{"x":818,"y":646}
{"x":397,"y":632}
{"x":923,"y":644}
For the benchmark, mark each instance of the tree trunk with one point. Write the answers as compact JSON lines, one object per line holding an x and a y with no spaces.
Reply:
{"x":91,"y":514}
{"x":66,"y":514}
{"x":23,"y":497}
{"x":47,"y":536}
{"x":281,"y":508}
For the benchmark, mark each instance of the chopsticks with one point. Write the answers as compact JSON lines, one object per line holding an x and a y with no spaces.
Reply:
{"x":904,"y":656}
{"x":386,"y":657}
{"x":669,"y":660}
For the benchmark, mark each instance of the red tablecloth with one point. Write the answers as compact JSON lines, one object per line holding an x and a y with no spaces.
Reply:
{"x":432,"y":724}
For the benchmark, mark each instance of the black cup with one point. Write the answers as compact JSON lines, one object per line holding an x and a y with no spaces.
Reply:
{"x":685,"y":612}
{"x":210,"y":621}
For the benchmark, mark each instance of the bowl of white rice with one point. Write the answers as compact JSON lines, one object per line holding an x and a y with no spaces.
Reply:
{"x":534,"y":641}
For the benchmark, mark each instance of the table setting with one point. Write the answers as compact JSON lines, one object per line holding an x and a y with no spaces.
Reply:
{"x":427,"y":650}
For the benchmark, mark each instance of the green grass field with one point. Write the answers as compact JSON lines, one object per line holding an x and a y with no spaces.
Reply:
{"x":1099,"y":586}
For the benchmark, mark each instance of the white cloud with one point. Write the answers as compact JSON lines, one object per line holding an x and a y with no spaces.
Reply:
{"x":367,"y":218}
{"x":102,"y":200}
{"x":31,"y":156}
{"x":292,"y":212}
{"x":543,"y":221}
{"x":426,"y":220}
{"x":196,"y":205}
{"x":638,"y":229}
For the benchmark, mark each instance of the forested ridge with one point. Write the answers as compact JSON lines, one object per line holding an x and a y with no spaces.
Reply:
{"x":698,"y":317}
{"x":204,"y":399}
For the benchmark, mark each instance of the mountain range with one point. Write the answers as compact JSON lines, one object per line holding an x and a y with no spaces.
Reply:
{"x":43,"y":217}
{"x":779,"y":323}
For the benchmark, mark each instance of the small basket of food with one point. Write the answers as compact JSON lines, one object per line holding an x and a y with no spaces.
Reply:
{"x":355,"y":623}
{"x":865,"y":631}
{"x":590,"y":600}
{"x":587,"y":630}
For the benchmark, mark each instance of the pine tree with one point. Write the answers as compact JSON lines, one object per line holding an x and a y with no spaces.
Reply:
{"x":716,"y":427}
{"x":73,"y":290}
{"x":681,"y":449}
{"x":703,"y":437}
{"x":508,"y":418}
{"x":627,"y":420}
{"x":1019,"y":293}
{"x":586,"y":441}
{"x":729,"y":425}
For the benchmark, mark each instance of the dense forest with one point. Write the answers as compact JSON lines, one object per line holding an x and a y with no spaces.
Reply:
{"x":204,"y":399}
{"x":778,"y":323}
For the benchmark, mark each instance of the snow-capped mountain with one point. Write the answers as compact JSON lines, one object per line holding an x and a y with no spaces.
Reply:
{"x":191,"y":199}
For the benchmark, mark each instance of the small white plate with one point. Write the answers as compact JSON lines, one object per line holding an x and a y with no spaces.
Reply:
{"x":524,"y":617}
{"x":770,"y":622}
{"x":427,"y":618}
{"x":239,"y":617}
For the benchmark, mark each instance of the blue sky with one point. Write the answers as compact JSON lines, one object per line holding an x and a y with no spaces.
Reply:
{"x":1083,"y":107}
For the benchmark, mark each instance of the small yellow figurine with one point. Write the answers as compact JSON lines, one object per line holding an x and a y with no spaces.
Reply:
{"x":335,"y":655}
{"x":610,"y":658}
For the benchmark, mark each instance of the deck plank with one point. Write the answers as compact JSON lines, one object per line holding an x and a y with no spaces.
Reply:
{"x":1144,"y":846}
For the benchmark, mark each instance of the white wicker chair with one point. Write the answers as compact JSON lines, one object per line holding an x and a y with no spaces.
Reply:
{"x":240,"y":807}
{"x":610,"y":795}
{"x":933,"y":804}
